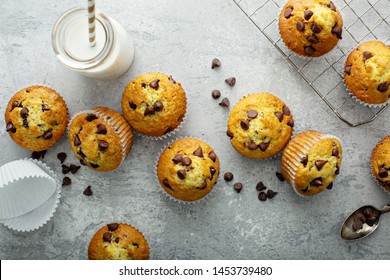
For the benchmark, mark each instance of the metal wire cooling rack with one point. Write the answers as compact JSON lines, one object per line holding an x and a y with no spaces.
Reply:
{"x":363,"y":20}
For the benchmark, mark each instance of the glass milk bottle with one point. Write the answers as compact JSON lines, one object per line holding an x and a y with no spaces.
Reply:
{"x":110,"y":58}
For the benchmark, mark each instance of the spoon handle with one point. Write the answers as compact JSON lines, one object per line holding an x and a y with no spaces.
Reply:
{"x":385,"y":209}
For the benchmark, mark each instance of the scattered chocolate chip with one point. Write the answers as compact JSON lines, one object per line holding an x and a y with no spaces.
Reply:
{"x":225,"y":102}
{"x":76,"y":141}
{"x":65,"y":169}
{"x":107,"y":236}
{"x":252,"y":145}
{"x":383,"y":87}
{"x":91,"y":117}
{"x":383,"y":173}
{"x":237,"y":187}
{"x":252,"y":114}
{"x":260,"y":186}
{"x":149,"y":111}
{"x":10,"y":127}
{"x":263,"y":146}
{"x":229,"y":134}
{"x":286,"y":111}
{"x":320,"y":163}
{"x":331,"y":6}
{"x":113,"y":226}
{"x":132,"y":105}
{"x":244,"y":124}
{"x":154,"y":84}
{"x":262,"y":196}
{"x":45,"y":108}
{"x":337,"y":170}
{"x":47,"y":135}
{"x":216,"y":94}
{"x":24,"y":113}
{"x":279,"y":115}
{"x":177,"y":159}
{"x":291,"y":122}
{"x":309,"y":50}
{"x":212,"y":156}
{"x":66,"y":181}
{"x":357,"y":224}
{"x":228,"y":176}
{"x":182,"y":174}
{"x":215,"y":63}
{"x":366,"y":55}
{"x":88,"y":191}
{"x":171,"y":79}
{"x":347,"y":69}
{"x":288,"y":12}
{"x":35,"y":155}
{"x":103,"y":145}
{"x":61,"y":156}
{"x":280,"y":176}
{"x":304,"y":160}
{"x":74,"y":168}
{"x":14,"y":105}
{"x":317,"y":182}
{"x":231,"y":81}
{"x":330,"y":186}
{"x":212,"y":171}
{"x":93,"y":165}
{"x":166,"y":184}
{"x":198,"y":152}
{"x":335,"y":152}
{"x":336,"y":30}
{"x":271,"y":194}
{"x":101,"y":129}
{"x":186,"y":161}
{"x":300,"y":26}
{"x":143,"y":85}
{"x":25,"y":123}
{"x":307,"y":14}
{"x":316,"y":28}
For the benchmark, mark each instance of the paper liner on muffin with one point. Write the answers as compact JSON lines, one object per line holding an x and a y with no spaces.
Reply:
{"x":290,"y":166}
{"x":372,"y":169}
{"x":292,"y":128}
{"x":22,"y":175}
{"x":126,"y":140}
{"x":166,"y":194}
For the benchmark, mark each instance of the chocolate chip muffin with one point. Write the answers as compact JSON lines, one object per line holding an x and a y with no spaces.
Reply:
{"x":367,"y":72}
{"x":36,"y":118}
{"x":310,"y":27}
{"x":188,"y":169}
{"x":154,"y":104}
{"x":311,"y":162}
{"x":260,"y":125}
{"x":100,"y":138}
{"x":380,"y":163}
{"x":118,"y":242}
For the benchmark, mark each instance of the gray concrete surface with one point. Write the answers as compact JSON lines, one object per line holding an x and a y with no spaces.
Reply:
{"x":181,"y":38}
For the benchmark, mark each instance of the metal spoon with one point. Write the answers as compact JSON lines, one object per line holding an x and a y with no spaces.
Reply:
{"x":362,"y":222}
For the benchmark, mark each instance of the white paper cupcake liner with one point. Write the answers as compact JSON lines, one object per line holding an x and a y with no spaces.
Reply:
{"x":291,"y":166}
{"x":292,"y":129}
{"x":126,"y":143}
{"x":43,"y":213}
{"x":170,"y":197}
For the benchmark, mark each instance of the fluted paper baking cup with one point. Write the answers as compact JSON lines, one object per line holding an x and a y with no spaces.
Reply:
{"x":43,"y":213}
{"x":24,"y":186}
{"x":169,"y":196}
{"x":354,"y":98}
